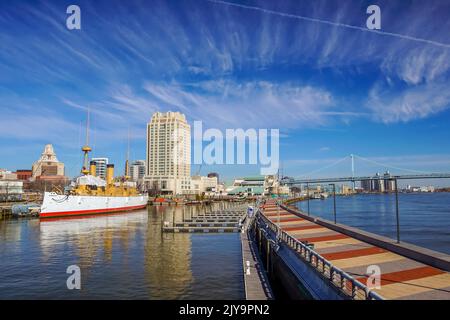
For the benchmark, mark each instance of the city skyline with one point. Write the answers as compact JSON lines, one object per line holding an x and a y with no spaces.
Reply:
{"x":331,"y":90}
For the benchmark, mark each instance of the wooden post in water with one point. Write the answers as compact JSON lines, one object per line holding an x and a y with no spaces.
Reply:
{"x":173,"y":219}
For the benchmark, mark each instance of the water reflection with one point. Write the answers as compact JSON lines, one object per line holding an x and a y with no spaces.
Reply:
{"x":89,"y":236}
{"x":121,"y":256}
{"x":167,"y":256}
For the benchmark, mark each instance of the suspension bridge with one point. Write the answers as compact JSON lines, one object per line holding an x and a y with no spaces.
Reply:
{"x":412,"y":173}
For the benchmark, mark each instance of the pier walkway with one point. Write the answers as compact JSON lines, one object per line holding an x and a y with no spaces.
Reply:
{"x":256,"y":282}
{"x":402,"y":277}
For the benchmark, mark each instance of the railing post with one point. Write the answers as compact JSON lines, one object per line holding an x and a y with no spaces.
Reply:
{"x":396,"y":210}
{"x":259,"y":238}
{"x":334,"y":200}
{"x":353,"y":290}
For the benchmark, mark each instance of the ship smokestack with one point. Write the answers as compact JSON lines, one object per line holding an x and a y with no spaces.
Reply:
{"x":92,"y":168}
{"x":109,"y":173}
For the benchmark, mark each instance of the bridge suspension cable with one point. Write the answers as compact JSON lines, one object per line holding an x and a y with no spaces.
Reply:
{"x":390,"y":166}
{"x":325,"y":167}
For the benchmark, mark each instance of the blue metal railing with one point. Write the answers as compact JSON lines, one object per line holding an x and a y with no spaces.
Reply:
{"x":337,"y":277}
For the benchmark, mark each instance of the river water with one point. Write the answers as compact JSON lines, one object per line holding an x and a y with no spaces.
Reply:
{"x":121,"y":256}
{"x":424,"y":217}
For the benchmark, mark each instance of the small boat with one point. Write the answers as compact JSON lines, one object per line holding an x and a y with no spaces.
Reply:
{"x":24,"y":210}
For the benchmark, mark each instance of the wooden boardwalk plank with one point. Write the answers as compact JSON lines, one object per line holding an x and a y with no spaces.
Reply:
{"x":401,"y":277}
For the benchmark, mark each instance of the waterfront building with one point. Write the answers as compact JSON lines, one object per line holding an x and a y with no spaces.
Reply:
{"x":100,"y":167}
{"x":426,"y":189}
{"x":220,"y":188}
{"x":168,"y":163}
{"x":377,"y":183}
{"x":258,"y":185}
{"x":366,"y":185}
{"x":213,"y":174}
{"x":24,"y":174}
{"x":48,"y":167}
{"x":389,"y":184}
{"x":137,"y":170}
{"x":204,"y":185}
{"x":7,"y":175}
{"x":346,"y":190}
{"x":248,"y":186}
{"x":11,"y":189}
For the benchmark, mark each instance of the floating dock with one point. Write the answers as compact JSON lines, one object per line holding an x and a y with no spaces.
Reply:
{"x":228,"y":220}
{"x":335,"y":261}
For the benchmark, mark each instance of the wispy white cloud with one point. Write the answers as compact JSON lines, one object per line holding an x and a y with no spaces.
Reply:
{"x":416,"y":102}
{"x":261,"y":104}
{"x":230,"y":67}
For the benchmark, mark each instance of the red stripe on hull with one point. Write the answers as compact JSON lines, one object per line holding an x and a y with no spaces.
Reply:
{"x":90,"y":211}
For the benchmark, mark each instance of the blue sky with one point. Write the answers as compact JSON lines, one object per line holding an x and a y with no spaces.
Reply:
{"x":330,"y":89}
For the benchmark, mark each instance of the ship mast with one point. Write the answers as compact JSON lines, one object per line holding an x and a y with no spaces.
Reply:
{"x":86,"y":149}
{"x":127,"y":163}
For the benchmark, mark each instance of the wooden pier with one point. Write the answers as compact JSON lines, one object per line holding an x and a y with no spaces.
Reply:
{"x":5,"y":211}
{"x":407,"y":271}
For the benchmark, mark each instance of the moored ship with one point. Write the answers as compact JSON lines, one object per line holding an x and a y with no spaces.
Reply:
{"x":93,"y":195}
{"x":90,"y":194}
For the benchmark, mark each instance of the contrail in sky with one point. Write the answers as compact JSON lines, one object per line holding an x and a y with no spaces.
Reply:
{"x":336,"y":24}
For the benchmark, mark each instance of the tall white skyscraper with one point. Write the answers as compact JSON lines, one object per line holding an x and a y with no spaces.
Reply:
{"x":168,"y":165}
{"x":137,"y":170}
{"x":100,"y":170}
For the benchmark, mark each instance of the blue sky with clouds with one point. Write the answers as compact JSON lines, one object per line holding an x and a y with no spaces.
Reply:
{"x":331,"y":89}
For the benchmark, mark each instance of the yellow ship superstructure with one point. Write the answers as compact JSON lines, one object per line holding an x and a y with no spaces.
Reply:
{"x":95,"y":186}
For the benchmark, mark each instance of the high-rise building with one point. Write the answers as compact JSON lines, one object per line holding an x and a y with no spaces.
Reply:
{"x":48,"y":165}
{"x":100,"y":169}
{"x":168,"y":164}
{"x":389,"y":184}
{"x":137,"y":170}
{"x":379,"y":183}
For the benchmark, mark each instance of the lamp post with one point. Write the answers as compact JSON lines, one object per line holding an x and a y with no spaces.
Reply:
{"x":397,"y":215}
{"x":307,"y":195}
{"x":334,"y":200}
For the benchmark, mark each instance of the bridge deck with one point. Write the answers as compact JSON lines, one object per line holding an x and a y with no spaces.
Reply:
{"x":401,"y":277}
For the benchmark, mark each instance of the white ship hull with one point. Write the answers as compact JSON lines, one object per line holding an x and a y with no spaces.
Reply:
{"x":55,"y":205}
